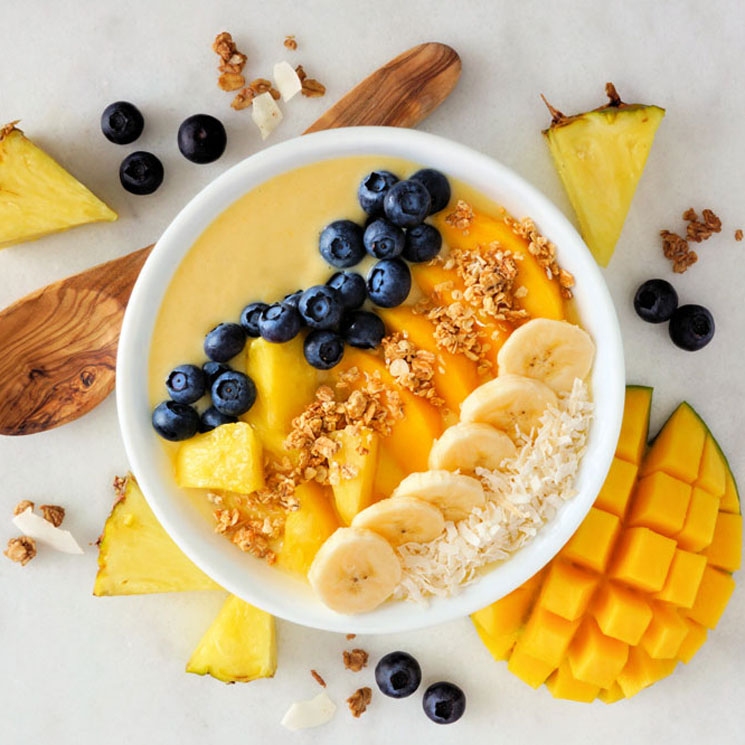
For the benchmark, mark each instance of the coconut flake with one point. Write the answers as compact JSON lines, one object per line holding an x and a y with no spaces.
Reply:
{"x":287,"y":81}
{"x":312,"y":713}
{"x":40,"y":530}
{"x":266,"y":114}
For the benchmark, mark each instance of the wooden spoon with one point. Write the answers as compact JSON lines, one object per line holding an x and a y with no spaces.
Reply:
{"x":59,"y":343}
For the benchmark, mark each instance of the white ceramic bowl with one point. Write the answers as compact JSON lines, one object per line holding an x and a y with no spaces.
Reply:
{"x":187,"y":523}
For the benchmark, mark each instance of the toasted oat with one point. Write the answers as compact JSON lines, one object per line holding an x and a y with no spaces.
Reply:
{"x":462,"y":217}
{"x":355,"y":659}
{"x":262,"y":85}
{"x":231,"y":81}
{"x":53,"y":513}
{"x":412,"y":367}
{"x":738,"y":234}
{"x":312,"y":88}
{"x":22,"y":506}
{"x":455,"y":327}
{"x":359,"y":701}
{"x":676,"y":248}
{"x":321,"y":682}
{"x":351,"y":636}
{"x":254,"y":537}
{"x":290,"y":42}
{"x":243,"y":99}
{"x":232,"y":61}
{"x":21,"y":550}
{"x":226,"y":519}
{"x":702,"y":229}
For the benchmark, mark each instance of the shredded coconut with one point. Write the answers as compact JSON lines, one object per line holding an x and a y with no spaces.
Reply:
{"x":521,"y":497}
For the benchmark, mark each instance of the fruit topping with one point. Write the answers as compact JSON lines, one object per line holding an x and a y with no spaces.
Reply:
{"x":224,"y":342}
{"x":293,"y":298}
{"x":122,"y":122}
{"x":655,"y":301}
{"x":423,"y":243}
{"x":351,"y":287}
{"x":691,"y":327}
{"x":389,"y":282}
{"x":402,"y":520}
{"x":201,"y":138}
{"x":407,"y":203}
{"x":321,"y":307}
{"x":323,"y":349}
{"x":341,"y":244}
{"x":212,"y":418}
{"x":233,"y":393}
{"x":141,"y":173}
{"x":373,"y":189}
{"x":466,"y":446}
{"x":383,"y":240}
{"x":455,"y":494}
{"x":174,"y":421}
{"x":186,"y":384}
{"x":398,"y":674}
{"x":437,"y":185}
{"x":444,"y":703}
{"x":250,"y":318}
{"x":362,"y":329}
{"x":279,"y":322}
{"x":212,"y":370}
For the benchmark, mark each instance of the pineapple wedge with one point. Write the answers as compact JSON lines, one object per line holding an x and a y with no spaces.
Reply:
{"x":600,"y":156}
{"x":239,"y":646}
{"x":136,"y":556}
{"x":37,"y":195}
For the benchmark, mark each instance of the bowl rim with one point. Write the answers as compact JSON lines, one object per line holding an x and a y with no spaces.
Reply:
{"x":252,"y":583}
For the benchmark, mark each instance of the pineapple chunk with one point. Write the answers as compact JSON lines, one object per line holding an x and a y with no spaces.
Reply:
{"x":37,"y":195}
{"x":239,"y":646}
{"x":359,"y":450}
{"x":136,"y":556}
{"x":228,"y":457}
{"x":600,"y":156}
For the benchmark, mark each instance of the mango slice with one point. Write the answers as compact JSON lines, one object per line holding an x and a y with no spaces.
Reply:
{"x":358,"y":451}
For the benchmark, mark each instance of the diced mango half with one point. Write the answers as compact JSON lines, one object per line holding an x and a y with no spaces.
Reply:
{"x":635,"y":424}
{"x":660,"y":503}
{"x":621,"y":613}
{"x":712,"y":471}
{"x":683,"y":579}
{"x":725,"y":549}
{"x":698,"y":527}
{"x":591,"y":546}
{"x":642,"y":559}
{"x":619,"y":483}
{"x":713,"y":595}
{"x":594,"y":658}
{"x":358,"y":451}
{"x":563,"y":684}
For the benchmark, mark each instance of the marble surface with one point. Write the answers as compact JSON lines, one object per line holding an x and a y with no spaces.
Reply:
{"x":77,"y":669}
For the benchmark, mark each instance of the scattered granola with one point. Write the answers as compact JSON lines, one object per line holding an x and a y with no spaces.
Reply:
{"x":254,"y":537}
{"x":311,"y":87}
{"x":21,"y":550}
{"x":676,"y":248}
{"x":413,"y":368}
{"x":290,"y":42}
{"x":700,"y":230}
{"x":738,"y":234}
{"x":359,"y":701}
{"x":232,"y":61}
{"x":456,"y":327}
{"x":243,"y":99}
{"x":461,"y":217}
{"x":22,"y":506}
{"x":321,"y":682}
{"x":262,"y":85}
{"x":53,"y":513}
{"x":355,"y":659}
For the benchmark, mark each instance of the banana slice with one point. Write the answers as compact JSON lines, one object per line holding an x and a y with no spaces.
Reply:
{"x":354,"y":571}
{"x":554,"y":352}
{"x":466,"y":445}
{"x":402,"y":520}
{"x":508,"y":400}
{"x":455,"y":494}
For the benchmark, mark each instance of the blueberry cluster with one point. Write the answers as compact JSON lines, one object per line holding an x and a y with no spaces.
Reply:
{"x":691,"y":327}
{"x":201,"y":139}
{"x":398,"y":675}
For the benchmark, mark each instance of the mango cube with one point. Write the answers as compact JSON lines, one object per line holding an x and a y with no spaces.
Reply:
{"x":547,"y":636}
{"x":643,"y":558}
{"x":635,"y":424}
{"x":665,"y":633}
{"x":562,"y":684}
{"x":595,"y":658}
{"x":611,"y":695}
{"x":530,"y":670}
{"x":567,"y":590}
{"x":638,"y":673}
{"x":693,"y":641}
{"x":357,"y":456}
{"x":621,"y":613}
{"x":660,"y":503}
{"x":616,"y":491}
{"x":712,"y":598}
{"x":499,"y":646}
{"x":506,"y":615}
{"x":725,"y":550}
{"x":683,"y":579}
{"x":731,"y":499}
{"x":592,"y":544}
{"x":712,"y":472}
{"x":698,"y":527}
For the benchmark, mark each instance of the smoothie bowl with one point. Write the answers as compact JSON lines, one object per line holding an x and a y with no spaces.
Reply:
{"x":370,"y":380}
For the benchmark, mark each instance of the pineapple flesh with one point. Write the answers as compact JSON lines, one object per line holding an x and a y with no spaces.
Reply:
{"x":37,"y":195}
{"x":600,"y":156}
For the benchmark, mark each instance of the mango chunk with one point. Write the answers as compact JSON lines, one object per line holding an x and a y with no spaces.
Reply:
{"x":567,"y":590}
{"x":698,"y":528}
{"x":639,"y":672}
{"x":679,"y":446}
{"x":712,"y":472}
{"x":665,"y":633}
{"x":358,"y":451}
{"x":506,"y":615}
{"x":619,"y":483}
{"x":731,"y":499}
{"x":595,"y":658}
{"x":499,"y":646}
{"x":713,"y":595}
{"x":592,"y":544}
{"x":530,"y":670}
{"x":683,"y":579}
{"x":635,"y":424}
{"x":693,"y":641}
{"x":612,"y":694}
{"x":562,"y":684}
{"x":547,"y":636}
{"x":621,"y":614}
{"x":725,"y":550}
{"x":643,"y":558}
{"x":660,"y":503}
{"x":228,"y":457}
{"x":388,"y":474}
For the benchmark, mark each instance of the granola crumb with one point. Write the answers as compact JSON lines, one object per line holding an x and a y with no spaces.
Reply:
{"x":676,"y":248}
{"x":359,"y":701}
{"x":461,"y":217}
{"x":310,"y":86}
{"x":243,"y":99}
{"x":351,"y":636}
{"x":53,"y":513}
{"x":290,"y":42}
{"x":231,"y":81}
{"x":321,"y":682}
{"x":22,"y":506}
{"x":355,"y":659}
{"x":738,"y":234}
{"x":21,"y":550}
{"x":412,"y":367}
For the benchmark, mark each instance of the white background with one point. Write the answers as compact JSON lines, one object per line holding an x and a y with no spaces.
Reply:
{"x":78,"y":669}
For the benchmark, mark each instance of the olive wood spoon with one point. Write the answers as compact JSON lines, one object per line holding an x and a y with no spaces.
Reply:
{"x":59,"y":343}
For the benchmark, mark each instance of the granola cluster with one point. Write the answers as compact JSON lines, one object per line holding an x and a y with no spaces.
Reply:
{"x":461,"y":217}
{"x":290,"y":42}
{"x":701,"y":229}
{"x":245,"y":98}
{"x":456,"y":327}
{"x":355,"y":659}
{"x":21,"y":550}
{"x":677,"y":248}
{"x":311,"y":88}
{"x":412,"y":367}
{"x":254,"y":536}
{"x":359,"y":701}
{"x":232,"y":62}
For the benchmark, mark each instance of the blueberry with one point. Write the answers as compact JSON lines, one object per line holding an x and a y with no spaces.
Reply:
{"x":250,"y":318}
{"x":444,"y":703}
{"x":437,"y":185}
{"x":122,"y":122}
{"x":212,"y":418}
{"x":389,"y":282}
{"x":233,"y":393}
{"x":224,"y":342}
{"x":212,"y":370}
{"x":351,"y":287}
{"x":398,"y":675}
{"x":279,"y":322}
{"x":186,"y":384}
{"x":407,"y":203}
{"x":141,"y":173}
{"x":691,"y":327}
{"x":655,"y":300}
{"x":174,"y":421}
{"x":293,"y":298}
{"x":201,"y":138}
{"x":321,"y":307}
{"x":341,"y":244}
{"x":362,"y":329}
{"x":423,"y":242}
{"x":373,"y":189}
{"x":323,"y":349}
{"x":383,"y":240}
